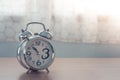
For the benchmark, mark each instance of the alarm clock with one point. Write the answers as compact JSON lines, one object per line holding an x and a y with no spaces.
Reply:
{"x":35,"y":51}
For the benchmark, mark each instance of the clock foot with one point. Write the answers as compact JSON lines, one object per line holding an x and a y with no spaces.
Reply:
{"x":47,"y":70}
{"x":30,"y":71}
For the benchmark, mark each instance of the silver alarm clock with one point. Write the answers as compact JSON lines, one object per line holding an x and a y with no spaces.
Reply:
{"x":35,"y":52}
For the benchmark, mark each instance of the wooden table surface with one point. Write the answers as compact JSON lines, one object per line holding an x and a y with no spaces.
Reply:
{"x":64,"y":69}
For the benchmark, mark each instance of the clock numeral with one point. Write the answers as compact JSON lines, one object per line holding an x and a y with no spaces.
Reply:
{"x":37,"y":43}
{"x":42,"y":44}
{"x":46,"y":51}
{"x":28,"y":53}
{"x":43,"y":61}
{"x":33,"y":62}
{"x":29,"y":48}
{"x":38,"y":63}
{"x":29,"y":58}
{"x":33,"y":44}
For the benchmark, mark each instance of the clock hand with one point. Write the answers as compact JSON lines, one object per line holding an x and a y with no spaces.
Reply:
{"x":36,"y":50}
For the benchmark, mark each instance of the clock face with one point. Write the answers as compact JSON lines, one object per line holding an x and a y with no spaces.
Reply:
{"x":39,"y":53}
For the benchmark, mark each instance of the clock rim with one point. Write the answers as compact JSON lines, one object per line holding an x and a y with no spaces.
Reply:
{"x":20,"y":56}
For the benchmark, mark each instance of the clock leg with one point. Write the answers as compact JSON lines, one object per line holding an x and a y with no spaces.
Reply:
{"x":30,"y":71}
{"x":47,"y":70}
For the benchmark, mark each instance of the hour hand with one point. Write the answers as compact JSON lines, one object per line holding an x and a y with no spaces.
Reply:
{"x":35,"y":50}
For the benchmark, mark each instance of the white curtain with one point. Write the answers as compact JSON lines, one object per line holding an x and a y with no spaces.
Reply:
{"x":15,"y":14}
{"x":91,"y":21}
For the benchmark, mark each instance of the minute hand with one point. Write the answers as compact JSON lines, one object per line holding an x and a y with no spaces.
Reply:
{"x":36,"y":50}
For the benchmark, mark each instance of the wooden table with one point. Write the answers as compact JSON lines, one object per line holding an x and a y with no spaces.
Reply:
{"x":64,"y":69}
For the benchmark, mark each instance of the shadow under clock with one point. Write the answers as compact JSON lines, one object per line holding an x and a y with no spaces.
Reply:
{"x":35,"y":76}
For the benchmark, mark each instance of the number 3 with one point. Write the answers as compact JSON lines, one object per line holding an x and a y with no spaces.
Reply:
{"x":46,"y":51}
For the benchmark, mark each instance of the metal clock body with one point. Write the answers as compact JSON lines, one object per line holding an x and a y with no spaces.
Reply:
{"x":35,"y":52}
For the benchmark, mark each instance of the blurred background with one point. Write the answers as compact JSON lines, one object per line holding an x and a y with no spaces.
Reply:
{"x":80,"y":28}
